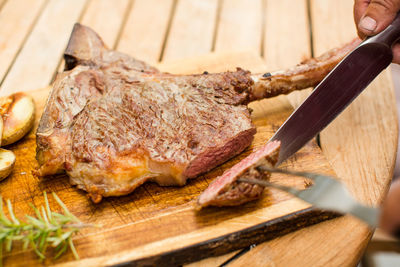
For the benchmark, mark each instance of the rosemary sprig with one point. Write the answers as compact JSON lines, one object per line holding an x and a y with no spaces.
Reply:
{"x":48,"y":228}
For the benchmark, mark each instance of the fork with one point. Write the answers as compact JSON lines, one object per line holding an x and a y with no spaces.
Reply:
{"x":325,"y":193}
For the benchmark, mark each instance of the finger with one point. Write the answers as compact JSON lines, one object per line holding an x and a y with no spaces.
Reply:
{"x":396,"y":53}
{"x":378,"y":15}
{"x":359,"y":9}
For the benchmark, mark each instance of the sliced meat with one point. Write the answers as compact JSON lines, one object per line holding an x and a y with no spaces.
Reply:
{"x":225,"y":190}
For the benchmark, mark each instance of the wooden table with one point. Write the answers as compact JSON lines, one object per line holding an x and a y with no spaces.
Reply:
{"x":359,"y":143}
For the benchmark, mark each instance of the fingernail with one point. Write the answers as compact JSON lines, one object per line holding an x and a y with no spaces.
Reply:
{"x":368,"y":24}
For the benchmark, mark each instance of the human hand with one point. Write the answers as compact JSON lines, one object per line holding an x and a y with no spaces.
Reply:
{"x":373,"y":16}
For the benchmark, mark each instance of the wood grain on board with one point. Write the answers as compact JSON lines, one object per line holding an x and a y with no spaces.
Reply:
{"x":160,"y":224}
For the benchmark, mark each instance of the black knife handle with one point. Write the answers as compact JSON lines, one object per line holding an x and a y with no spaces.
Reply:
{"x":389,"y":35}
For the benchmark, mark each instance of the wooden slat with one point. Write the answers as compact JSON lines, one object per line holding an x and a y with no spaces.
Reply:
{"x":239,"y":26}
{"x":283,"y":46}
{"x":145,"y":29}
{"x":106,"y":17}
{"x":14,"y":31}
{"x":35,"y":65}
{"x":335,"y":16}
{"x":192,"y":29}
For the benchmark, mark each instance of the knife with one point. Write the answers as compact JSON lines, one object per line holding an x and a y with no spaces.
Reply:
{"x":337,"y":90}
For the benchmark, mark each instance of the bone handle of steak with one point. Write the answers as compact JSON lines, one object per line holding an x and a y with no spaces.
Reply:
{"x":84,"y":45}
{"x":307,"y":74}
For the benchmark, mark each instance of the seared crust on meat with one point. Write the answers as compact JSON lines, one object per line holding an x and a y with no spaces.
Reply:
{"x":112,"y":123}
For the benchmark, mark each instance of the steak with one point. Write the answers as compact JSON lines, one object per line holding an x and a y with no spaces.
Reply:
{"x":225,"y":190}
{"x":112,"y":122}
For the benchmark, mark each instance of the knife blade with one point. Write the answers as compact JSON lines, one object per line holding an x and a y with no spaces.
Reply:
{"x":337,"y":90}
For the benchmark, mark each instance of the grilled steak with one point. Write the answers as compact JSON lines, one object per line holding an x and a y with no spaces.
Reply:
{"x":225,"y":190}
{"x":112,"y":122}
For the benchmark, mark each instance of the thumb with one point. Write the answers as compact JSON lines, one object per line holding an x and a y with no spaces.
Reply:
{"x":378,"y":15}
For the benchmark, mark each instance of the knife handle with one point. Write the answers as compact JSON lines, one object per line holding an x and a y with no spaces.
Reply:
{"x":388,"y":36}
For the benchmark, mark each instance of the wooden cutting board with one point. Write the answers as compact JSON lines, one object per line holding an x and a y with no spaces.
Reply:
{"x":159,"y":225}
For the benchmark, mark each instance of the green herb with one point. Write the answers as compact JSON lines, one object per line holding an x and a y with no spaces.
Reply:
{"x":47,"y":228}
